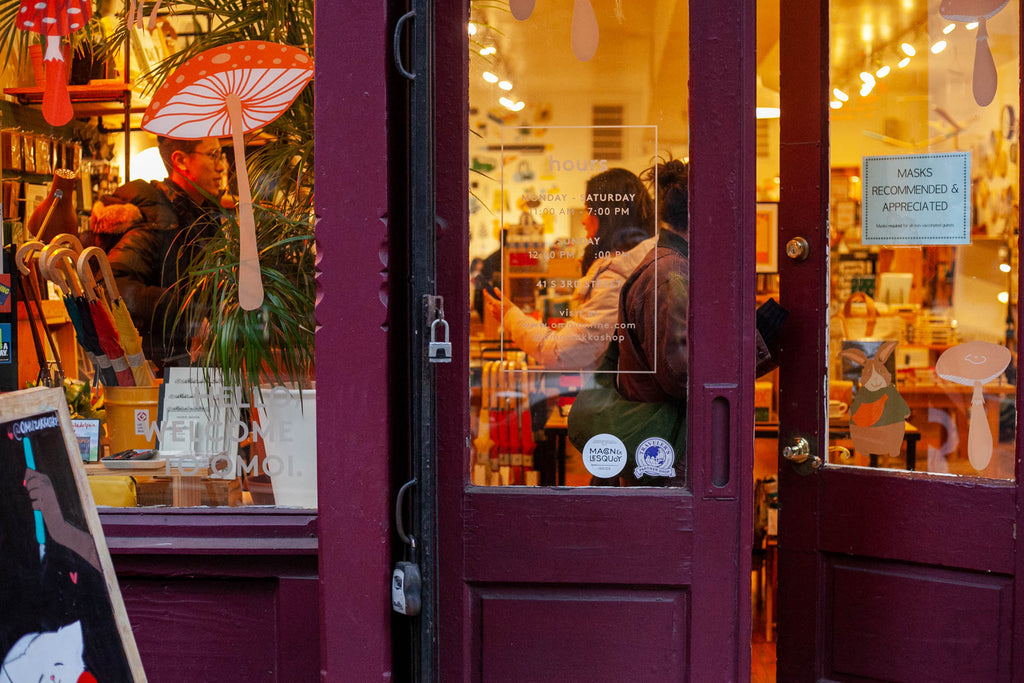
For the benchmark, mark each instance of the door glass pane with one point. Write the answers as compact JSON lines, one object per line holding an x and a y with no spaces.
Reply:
{"x":923,"y":227}
{"x":578,"y":143}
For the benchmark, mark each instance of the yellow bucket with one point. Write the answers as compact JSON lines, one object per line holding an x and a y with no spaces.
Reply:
{"x":132,"y":414}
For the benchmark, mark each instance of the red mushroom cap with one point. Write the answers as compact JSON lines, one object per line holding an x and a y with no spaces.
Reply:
{"x":266,"y":77}
{"x":53,"y":17}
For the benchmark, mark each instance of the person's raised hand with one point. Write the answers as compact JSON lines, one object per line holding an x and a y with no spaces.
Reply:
{"x":495,"y":303}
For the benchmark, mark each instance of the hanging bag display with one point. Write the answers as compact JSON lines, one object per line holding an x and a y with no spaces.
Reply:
{"x":867,"y":322}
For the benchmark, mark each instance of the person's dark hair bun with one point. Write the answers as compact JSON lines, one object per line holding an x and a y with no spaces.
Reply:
{"x":673,"y":172}
{"x":673,"y":177}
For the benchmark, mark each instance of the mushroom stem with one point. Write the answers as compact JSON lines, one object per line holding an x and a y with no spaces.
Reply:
{"x":979,"y":438}
{"x":250,"y":281}
{"x":985,"y":76}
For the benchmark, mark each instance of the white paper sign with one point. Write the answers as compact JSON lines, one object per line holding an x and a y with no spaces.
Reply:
{"x":193,"y":414}
{"x":917,"y":199}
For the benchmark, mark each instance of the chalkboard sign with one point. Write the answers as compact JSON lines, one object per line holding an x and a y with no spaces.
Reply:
{"x":61,"y":612}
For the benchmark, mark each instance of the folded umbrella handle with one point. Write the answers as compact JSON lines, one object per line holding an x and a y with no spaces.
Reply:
{"x":58,"y":266}
{"x":85,"y":271}
{"x":24,"y":253}
{"x":66,"y":239}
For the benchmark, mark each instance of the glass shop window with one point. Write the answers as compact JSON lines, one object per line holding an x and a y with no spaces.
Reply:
{"x":578,"y":253}
{"x":925,"y":206}
{"x":169,"y":282}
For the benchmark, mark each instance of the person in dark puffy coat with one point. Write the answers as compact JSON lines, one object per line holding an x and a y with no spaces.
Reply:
{"x":152,"y":231}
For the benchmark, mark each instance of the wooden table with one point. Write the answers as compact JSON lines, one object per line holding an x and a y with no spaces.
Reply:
{"x":186,"y":482}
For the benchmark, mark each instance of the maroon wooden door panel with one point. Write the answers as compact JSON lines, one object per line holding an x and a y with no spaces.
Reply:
{"x":883,"y":575}
{"x":893,"y":621}
{"x":915,"y":519}
{"x":551,"y":633}
{"x":578,"y":537}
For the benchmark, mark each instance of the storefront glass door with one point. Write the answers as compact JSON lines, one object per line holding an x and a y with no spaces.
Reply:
{"x":596,"y":138}
{"x":898,"y":396}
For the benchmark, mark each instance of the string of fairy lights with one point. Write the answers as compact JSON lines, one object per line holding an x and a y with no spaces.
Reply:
{"x":903,"y":56}
{"x":490,"y":52}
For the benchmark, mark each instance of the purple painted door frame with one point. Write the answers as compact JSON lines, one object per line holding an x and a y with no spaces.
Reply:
{"x":882,"y":575}
{"x":352,"y":148}
{"x":554,"y":583}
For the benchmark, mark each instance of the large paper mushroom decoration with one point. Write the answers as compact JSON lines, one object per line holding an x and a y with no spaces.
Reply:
{"x":973,"y":364}
{"x":54,"y":19}
{"x":229,"y":91}
{"x":985,"y":78}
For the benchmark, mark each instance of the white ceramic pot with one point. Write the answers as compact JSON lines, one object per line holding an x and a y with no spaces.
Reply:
{"x":289,"y":431}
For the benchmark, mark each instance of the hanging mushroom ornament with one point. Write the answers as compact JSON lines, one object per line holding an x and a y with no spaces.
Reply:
{"x":54,"y":19}
{"x":232,"y":90}
{"x":974,"y":364}
{"x":585,"y":32}
{"x":521,"y":9}
{"x":985,"y":78}
{"x":137,"y":14}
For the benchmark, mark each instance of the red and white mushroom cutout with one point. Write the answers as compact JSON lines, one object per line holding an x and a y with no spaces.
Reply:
{"x":232,"y":90}
{"x":974,"y":364}
{"x":54,"y":19}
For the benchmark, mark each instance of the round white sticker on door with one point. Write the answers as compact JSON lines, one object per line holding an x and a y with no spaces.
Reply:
{"x":604,"y":456}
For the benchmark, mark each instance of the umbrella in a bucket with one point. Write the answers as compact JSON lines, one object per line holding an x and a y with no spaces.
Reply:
{"x":26,"y":260}
{"x":107,"y":334}
{"x":58,"y":265}
{"x":128,"y":335}
{"x":231,"y":90}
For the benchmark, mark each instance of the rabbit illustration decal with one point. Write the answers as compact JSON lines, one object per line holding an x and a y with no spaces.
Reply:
{"x":877,"y":412}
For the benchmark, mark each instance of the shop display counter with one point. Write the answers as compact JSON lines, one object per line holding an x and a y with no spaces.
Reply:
{"x":187,"y":483}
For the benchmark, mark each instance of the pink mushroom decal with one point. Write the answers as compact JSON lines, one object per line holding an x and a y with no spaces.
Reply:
{"x":974,"y":364}
{"x":54,"y":19}
{"x":521,"y":9}
{"x":137,"y":13}
{"x":985,"y":78}
{"x":585,"y":32}
{"x":229,"y":91}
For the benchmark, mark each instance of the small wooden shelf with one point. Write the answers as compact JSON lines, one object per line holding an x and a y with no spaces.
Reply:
{"x":98,"y":98}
